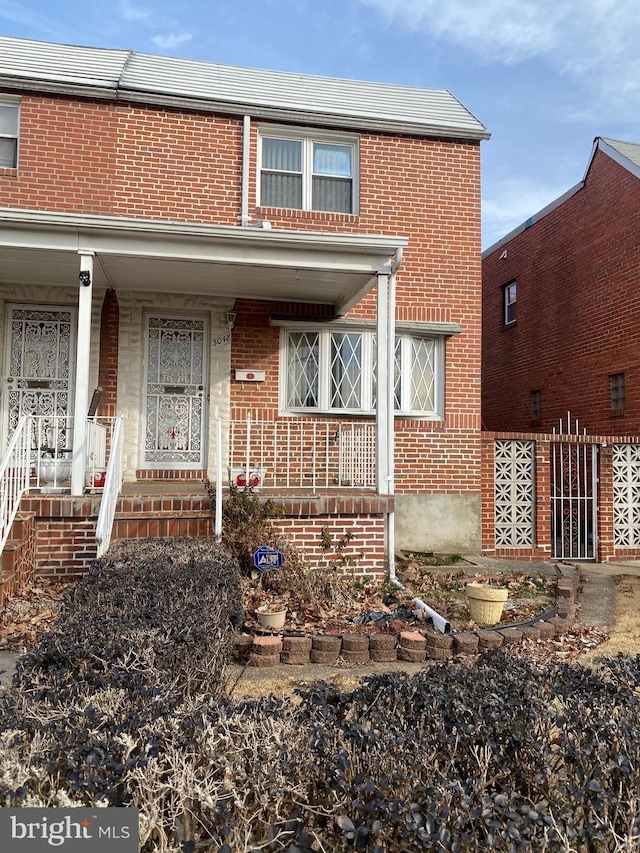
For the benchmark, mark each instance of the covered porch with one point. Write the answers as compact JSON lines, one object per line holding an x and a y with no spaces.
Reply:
{"x":149,"y":262}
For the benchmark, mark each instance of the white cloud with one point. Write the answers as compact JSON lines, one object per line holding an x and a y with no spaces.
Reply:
{"x":172,"y":41}
{"x":594,"y":39}
{"x":511,"y":202}
{"x":134,"y":13}
{"x":32,"y":20}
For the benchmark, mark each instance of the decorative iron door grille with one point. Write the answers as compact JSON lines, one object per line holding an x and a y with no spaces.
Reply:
{"x":514,"y":493}
{"x":573,"y":500}
{"x":626,"y":495}
{"x":40,"y":368}
{"x":174,"y":394}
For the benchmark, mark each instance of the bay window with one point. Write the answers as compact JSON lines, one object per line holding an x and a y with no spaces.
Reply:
{"x":334,"y":371}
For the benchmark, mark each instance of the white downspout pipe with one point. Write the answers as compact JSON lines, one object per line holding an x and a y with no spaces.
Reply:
{"x":246,"y":154}
{"x":382,"y":377}
{"x":83,"y":349}
{"x":391,"y":359}
{"x":219,"y":479}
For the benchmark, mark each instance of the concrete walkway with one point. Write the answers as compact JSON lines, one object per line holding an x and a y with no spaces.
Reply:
{"x":595,"y":599}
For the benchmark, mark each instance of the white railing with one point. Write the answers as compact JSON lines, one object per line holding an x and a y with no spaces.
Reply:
{"x":52,"y":449}
{"x":112,"y":486}
{"x":301,"y":454}
{"x":14,"y":476}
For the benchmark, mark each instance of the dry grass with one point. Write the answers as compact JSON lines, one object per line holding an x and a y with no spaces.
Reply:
{"x":624,"y":632}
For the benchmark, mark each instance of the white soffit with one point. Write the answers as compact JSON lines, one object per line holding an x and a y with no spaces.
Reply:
{"x":136,"y":255}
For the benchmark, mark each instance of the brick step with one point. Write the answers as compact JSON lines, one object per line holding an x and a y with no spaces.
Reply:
{"x":8,"y":585}
{"x":151,"y":525}
{"x":10,"y":556}
{"x":151,"y":504}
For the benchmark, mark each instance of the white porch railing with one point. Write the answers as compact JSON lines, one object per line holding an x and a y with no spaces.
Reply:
{"x":14,"y":476}
{"x":301,"y":454}
{"x":52,"y":448}
{"x":39,"y":457}
{"x":112,"y":486}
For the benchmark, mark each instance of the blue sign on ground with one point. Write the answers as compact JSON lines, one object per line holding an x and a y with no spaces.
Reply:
{"x":267,"y":559}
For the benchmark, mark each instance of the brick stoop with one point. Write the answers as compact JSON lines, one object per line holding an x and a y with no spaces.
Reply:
{"x":17,"y":564}
{"x":149,"y":517}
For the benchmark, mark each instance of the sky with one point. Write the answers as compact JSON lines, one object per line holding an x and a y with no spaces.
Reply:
{"x":544,"y":76}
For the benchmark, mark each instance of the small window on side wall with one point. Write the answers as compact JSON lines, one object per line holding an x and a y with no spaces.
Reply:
{"x":509,"y":302}
{"x":536,"y":406}
{"x":9,"y":115}
{"x":617,"y":385}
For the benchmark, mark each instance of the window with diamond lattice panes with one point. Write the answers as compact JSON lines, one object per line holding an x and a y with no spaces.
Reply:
{"x":346,"y":371}
{"x":335,"y":371}
{"x":302,"y":370}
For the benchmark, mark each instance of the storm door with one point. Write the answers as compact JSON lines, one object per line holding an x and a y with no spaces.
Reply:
{"x":174,"y":417}
{"x":40,"y":371}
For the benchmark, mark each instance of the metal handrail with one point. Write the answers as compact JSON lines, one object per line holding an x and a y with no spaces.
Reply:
{"x":291,"y":453}
{"x":14,"y":476}
{"x":112,"y":487}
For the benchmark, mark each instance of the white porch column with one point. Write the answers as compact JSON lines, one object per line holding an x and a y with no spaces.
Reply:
{"x":85,"y":296}
{"x":383,"y":379}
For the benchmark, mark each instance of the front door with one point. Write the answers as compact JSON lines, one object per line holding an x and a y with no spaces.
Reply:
{"x":174,"y":396}
{"x":39,"y":378}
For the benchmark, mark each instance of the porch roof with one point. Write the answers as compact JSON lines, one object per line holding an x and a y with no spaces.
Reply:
{"x":193,"y":258}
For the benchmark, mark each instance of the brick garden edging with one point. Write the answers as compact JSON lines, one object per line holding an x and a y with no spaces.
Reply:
{"x":413,"y":646}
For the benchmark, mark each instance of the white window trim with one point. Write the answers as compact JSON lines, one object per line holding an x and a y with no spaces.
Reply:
{"x":12,"y":101}
{"x":507,"y":304}
{"x":368,"y":356}
{"x":308,"y":137}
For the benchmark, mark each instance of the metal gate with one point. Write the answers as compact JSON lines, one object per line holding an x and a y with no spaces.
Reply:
{"x":574,"y":490}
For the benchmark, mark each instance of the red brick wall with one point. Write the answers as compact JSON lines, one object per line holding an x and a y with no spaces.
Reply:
{"x":83,"y":156}
{"x":80,"y":156}
{"x":578,"y":308}
{"x":429,"y":191}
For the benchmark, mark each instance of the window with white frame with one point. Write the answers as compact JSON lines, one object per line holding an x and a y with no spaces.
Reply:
{"x":305,"y":171}
{"x":509,"y":302}
{"x":335,"y":371}
{"x":9,"y":117}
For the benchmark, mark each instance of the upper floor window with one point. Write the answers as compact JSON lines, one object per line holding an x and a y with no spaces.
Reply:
{"x":617,"y":384}
{"x":509,"y":302}
{"x":308,"y":171}
{"x":535,"y":398}
{"x":9,"y":115}
{"x":335,"y":371}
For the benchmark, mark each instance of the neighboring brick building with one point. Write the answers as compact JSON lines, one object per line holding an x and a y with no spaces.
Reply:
{"x":241,"y":237}
{"x":561,"y":305}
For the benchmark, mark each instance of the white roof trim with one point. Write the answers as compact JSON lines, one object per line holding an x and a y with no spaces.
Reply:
{"x":607,"y":148}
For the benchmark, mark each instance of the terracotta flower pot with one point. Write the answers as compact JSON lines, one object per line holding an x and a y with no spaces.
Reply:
{"x":486,"y":603}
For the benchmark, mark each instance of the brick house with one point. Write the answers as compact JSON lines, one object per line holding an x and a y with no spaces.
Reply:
{"x":561,"y":294}
{"x":228,"y":264}
{"x":561,"y":370}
